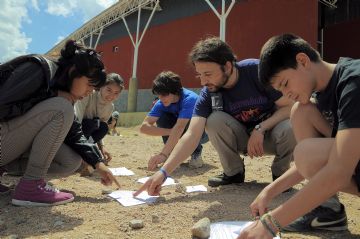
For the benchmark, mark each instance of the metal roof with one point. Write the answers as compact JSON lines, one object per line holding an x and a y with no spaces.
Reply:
{"x":110,"y":15}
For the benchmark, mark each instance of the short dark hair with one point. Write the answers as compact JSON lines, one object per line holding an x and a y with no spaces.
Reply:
{"x":167,"y":82}
{"x":114,"y":78}
{"x":212,"y":50}
{"x":279,"y":53}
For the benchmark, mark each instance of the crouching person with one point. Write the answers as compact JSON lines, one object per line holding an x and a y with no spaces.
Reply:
{"x":41,"y":121}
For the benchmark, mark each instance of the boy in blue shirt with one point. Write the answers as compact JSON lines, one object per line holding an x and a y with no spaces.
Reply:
{"x":170,"y":116}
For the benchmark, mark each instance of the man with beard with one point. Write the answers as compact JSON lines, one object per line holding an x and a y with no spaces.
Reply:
{"x":239,"y":115}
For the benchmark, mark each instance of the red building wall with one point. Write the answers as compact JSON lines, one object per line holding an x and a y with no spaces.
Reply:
{"x":249,"y":25}
{"x":341,"y":40}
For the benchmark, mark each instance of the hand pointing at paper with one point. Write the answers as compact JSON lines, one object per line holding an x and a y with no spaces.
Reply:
{"x":152,"y":185}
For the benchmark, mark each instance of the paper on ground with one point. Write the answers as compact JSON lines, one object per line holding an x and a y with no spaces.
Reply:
{"x":121,"y":171}
{"x":126,"y":198}
{"x":228,"y":229}
{"x":197,"y":188}
{"x":168,"y":181}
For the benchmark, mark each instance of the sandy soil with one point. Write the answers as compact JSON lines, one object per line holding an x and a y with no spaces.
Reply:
{"x":93,"y":215}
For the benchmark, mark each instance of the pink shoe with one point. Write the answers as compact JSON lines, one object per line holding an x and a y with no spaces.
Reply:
{"x":39,"y":193}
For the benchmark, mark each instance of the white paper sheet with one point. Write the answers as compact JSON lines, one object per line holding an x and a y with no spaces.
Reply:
{"x":121,"y":171}
{"x":228,"y":229}
{"x":126,"y":198}
{"x":168,"y":181}
{"x":197,"y":188}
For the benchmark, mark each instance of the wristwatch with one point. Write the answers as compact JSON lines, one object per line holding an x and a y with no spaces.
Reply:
{"x":258,"y":128}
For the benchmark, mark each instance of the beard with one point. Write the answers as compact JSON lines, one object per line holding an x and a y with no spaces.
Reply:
{"x":215,"y":88}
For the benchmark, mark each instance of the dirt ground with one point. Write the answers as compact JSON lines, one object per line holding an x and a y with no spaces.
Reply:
{"x":93,"y":215}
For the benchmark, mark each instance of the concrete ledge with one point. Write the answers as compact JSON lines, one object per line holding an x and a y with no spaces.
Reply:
{"x":128,"y":119}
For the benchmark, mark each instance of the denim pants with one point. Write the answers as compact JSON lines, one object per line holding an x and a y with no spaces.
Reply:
{"x":168,"y":121}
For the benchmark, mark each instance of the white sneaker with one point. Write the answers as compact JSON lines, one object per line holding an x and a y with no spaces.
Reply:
{"x":196,"y":161}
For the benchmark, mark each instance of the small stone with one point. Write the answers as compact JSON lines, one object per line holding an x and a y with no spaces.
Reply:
{"x":106,"y":191}
{"x":201,"y":229}
{"x":136,"y":224}
{"x":58,"y":223}
{"x":155,"y":218}
{"x":160,"y":200}
{"x":180,"y":188}
{"x":13,"y":236}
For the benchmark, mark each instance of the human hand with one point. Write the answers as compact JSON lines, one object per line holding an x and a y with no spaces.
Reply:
{"x":255,"y":145}
{"x":255,"y":230}
{"x":155,"y":160}
{"x":107,"y":178}
{"x":259,"y":206}
{"x":152,"y":185}
{"x":107,"y":155}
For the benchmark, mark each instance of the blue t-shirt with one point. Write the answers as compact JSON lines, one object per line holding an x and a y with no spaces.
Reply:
{"x":248,"y":101}
{"x":182,"y":109}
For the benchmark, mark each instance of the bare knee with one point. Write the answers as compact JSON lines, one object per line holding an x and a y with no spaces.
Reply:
{"x":300,"y":112}
{"x":307,"y":163}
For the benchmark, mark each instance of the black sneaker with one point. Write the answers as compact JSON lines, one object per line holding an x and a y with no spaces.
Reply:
{"x":223,"y":179}
{"x":320,"y":218}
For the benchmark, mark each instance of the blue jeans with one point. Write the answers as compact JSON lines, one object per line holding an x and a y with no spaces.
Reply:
{"x":168,"y":121}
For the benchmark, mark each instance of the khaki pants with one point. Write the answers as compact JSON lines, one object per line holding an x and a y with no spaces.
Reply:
{"x":229,"y":137}
{"x":40,"y":133}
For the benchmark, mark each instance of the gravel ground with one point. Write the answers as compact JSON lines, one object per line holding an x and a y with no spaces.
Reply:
{"x":94,"y":215}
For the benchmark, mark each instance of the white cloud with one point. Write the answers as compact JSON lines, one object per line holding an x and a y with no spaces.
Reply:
{"x":13,"y":42}
{"x":88,"y":9}
{"x":35,"y":5}
{"x":63,"y":8}
{"x":14,"y":13}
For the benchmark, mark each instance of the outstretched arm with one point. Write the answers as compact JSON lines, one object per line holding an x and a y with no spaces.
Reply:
{"x":148,"y":127}
{"x":174,"y":137}
{"x":181,"y":152}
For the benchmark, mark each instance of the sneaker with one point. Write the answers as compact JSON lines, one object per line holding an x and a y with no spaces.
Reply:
{"x":196,"y":161}
{"x":39,"y":193}
{"x":223,"y":179}
{"x":320,"y":218}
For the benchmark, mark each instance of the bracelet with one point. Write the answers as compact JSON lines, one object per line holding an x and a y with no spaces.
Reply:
{"x":166,"y":175}
{"x":275,"y":222}
{"x":166,"y":156}
{"x":267,"y":226}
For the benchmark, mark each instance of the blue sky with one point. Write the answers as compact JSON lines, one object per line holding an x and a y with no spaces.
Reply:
{"x":35,"y":26}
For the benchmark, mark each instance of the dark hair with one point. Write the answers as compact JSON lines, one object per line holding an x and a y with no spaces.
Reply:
{"x":167,"y":82}
{"x":114,"y":78}
{"x":77,"y":61}
{"x":279,"y":53}
{"x":212,"y":50}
